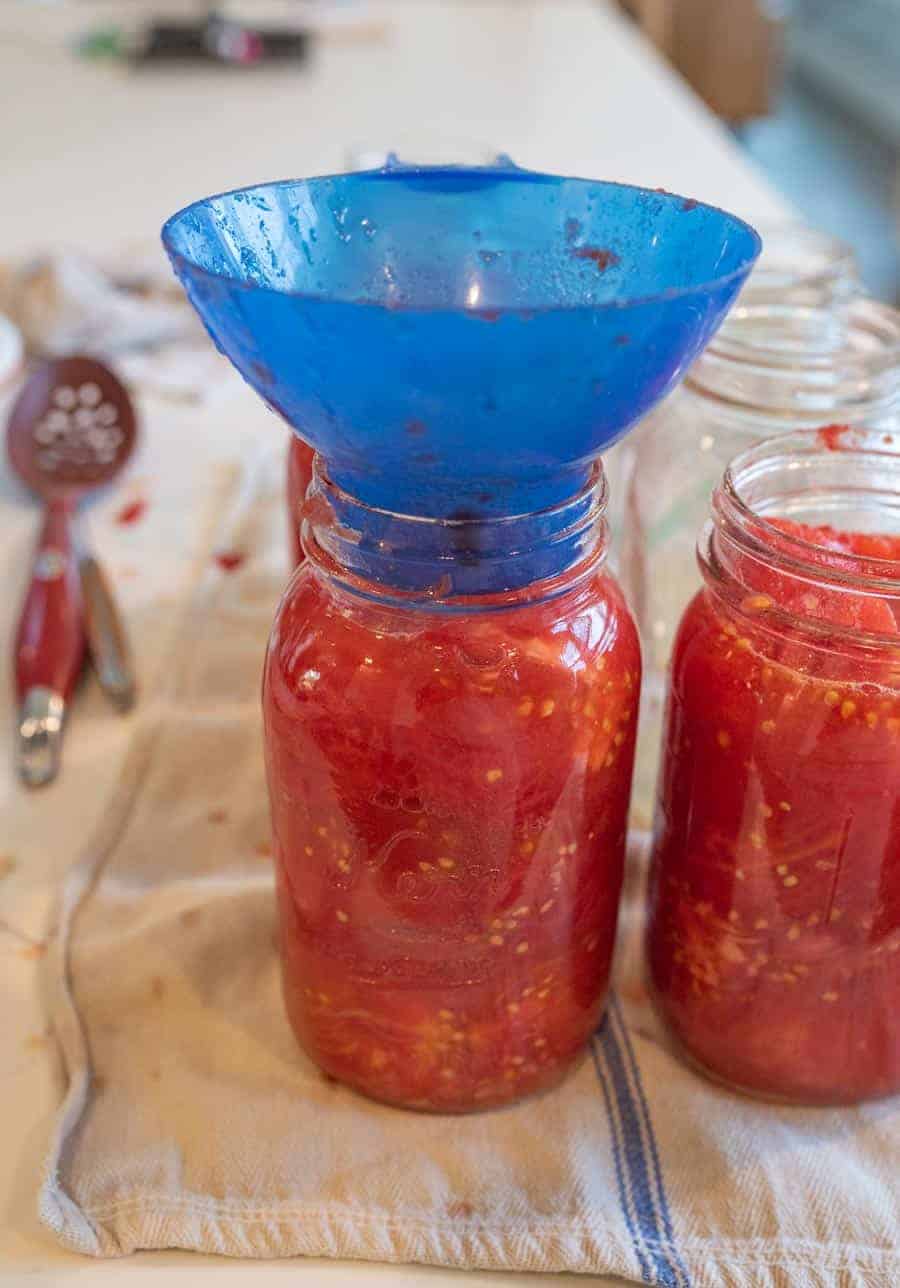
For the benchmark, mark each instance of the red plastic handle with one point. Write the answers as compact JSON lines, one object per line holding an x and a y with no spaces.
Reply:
{"x":50,"y":638}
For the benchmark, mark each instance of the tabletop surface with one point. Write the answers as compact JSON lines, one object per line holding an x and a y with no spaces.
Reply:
{"x":95,"y":157}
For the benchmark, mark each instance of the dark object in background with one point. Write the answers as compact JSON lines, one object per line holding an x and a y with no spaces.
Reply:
{"x":219,"y":40}
{"x":729,"y":51}
{"x":211,"y":40}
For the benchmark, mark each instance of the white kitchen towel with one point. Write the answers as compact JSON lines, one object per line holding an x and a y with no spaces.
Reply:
{"x":193,"y":1121}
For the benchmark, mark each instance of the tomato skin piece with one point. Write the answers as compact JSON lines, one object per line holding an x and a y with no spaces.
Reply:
{"x":299,"y":473}
{"x":449,"y":796}
{"x":773,"y":934}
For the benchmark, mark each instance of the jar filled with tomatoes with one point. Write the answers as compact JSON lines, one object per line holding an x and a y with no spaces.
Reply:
{"x":774,"y":924}
{"x":450,"y":709}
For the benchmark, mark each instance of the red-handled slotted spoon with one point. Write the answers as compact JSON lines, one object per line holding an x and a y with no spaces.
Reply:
{"x":72,"y":428}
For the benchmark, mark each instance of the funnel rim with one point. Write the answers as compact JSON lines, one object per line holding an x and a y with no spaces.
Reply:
{"x":514,"y":174}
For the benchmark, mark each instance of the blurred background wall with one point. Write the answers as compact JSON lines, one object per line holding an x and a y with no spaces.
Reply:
{"x":812,"y":90}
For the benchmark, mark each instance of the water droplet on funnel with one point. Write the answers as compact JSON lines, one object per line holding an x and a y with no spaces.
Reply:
{"x":250,"y":263}
{"x":340,"y":219}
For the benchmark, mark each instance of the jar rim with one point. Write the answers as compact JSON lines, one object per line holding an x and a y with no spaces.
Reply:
{"x":852,"y":359}
{"x":456,"y":563}
{"x":834,"y":258}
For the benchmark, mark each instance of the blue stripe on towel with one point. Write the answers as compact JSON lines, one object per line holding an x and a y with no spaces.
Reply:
{"x":662,"y":1199}
{"x":624,"y":1194}
{"x":639,"y":1176}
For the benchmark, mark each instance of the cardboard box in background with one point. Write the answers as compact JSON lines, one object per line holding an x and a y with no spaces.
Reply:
{"x":729,"y":51}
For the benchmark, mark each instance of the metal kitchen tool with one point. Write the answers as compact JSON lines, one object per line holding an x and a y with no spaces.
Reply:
{"x":71,"y":429}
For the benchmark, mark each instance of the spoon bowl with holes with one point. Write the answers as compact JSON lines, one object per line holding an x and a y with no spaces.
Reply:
{"x":70,"y":431}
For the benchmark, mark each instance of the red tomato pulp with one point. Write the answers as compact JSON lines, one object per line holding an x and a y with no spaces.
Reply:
{"x":449,"y":797}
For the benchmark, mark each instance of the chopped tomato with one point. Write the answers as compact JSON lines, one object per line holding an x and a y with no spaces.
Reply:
{"x":828,"y":548}
{"x":449,"y":795}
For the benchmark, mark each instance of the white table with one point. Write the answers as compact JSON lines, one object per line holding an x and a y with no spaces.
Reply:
{"x":91,"y":156}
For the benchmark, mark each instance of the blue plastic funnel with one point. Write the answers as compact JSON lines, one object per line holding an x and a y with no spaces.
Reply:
{"x":459,"y":340}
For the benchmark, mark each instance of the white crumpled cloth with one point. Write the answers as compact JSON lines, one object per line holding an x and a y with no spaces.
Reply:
{"x":126,"y":309}
{"x":193,"y":1121}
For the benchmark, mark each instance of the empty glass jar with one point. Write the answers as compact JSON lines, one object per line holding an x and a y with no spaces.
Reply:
{"x":771,"y":369}
{"x":799,"y":267}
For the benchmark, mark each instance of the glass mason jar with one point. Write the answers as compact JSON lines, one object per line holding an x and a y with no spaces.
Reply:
{"x":774,"y":920}
{"x":449,"y":773}
{"x":799,"y":267}
{"x":299,"y":473}
{"x":771,"y":369}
